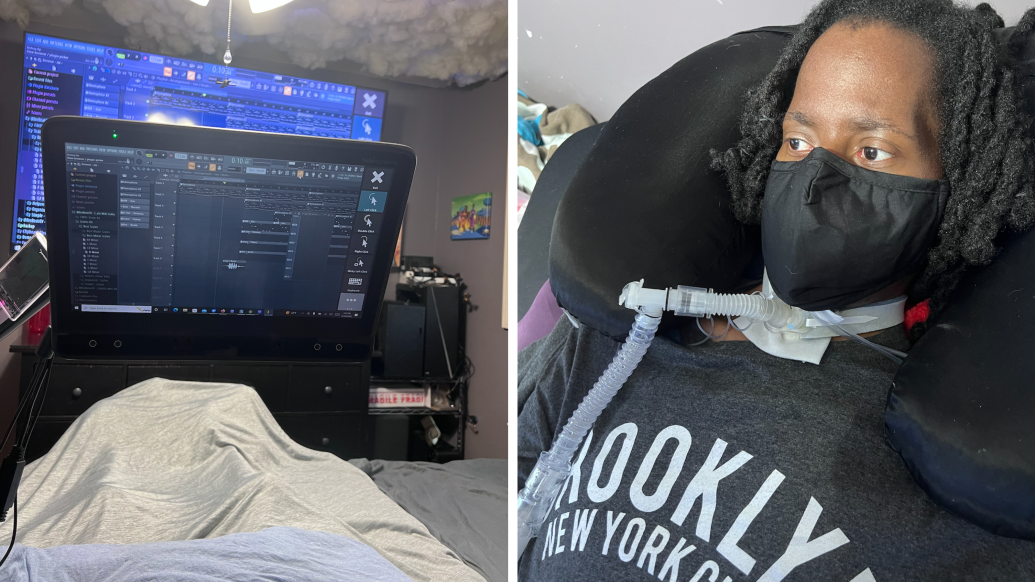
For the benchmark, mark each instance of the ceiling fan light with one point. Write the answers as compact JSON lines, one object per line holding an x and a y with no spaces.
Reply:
{"x":264,"y":5}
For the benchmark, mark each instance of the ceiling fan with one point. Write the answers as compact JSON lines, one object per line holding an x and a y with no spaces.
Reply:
{"x":257,"y":6}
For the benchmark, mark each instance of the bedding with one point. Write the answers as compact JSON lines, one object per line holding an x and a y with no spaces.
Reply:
{"x":462,"y":503}
{"x":541,"y":130}
{"x":170,"y":461}
{"x":278,"y":553}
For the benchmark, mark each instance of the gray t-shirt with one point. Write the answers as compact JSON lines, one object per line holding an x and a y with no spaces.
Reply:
{"x":721,"y":463}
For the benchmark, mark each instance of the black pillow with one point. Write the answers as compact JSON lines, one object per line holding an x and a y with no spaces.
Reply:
{"x":645,"y":203}
{"x":962,"y":409}
{"x":536,"y":225}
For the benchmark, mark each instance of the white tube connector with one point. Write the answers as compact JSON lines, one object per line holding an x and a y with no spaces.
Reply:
{"x":699,"y":302}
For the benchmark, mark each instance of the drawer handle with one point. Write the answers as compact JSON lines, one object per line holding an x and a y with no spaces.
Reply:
{"x":327,"y":389}
{"x":77,"y":392}
{"x":326,"y":441}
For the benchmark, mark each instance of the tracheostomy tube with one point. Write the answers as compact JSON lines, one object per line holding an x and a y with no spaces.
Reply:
{"x":547,"y":478}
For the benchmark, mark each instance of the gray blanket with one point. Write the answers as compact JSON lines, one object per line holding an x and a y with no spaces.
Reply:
{"x":171,"y":461}
{"x":278,"y":553}
{"x":463,"y":504}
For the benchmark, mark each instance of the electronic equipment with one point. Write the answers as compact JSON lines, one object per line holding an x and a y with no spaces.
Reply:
{"x":445,"y":325}
{"x":24,"y":278}
{"x":24,"y":282}
{"x":401,"y":340}
{"x":66,"y":77}
{"x":182,"y":242}
{"x":414,"y":262}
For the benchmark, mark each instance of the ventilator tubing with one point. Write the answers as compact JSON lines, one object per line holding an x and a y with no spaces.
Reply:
{"x":697,"y":302}
{"x":545,"y":481}
{"x":547,"y":478}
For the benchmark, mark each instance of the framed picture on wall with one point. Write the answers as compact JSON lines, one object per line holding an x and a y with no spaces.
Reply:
{"x":472,"y":216}
{"x":397,"y":258}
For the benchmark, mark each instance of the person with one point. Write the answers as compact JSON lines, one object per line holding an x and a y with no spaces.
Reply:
{"x":724,"y":463}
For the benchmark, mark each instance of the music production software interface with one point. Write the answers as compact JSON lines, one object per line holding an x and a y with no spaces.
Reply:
{"x":157,"y":231}
{"x":62,"y":77}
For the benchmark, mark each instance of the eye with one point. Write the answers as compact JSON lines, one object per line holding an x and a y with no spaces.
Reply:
{"x":872,"y":154}
{"x":798,"y":145}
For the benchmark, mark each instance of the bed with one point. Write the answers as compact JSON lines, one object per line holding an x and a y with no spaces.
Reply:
{"x":167,"y":462}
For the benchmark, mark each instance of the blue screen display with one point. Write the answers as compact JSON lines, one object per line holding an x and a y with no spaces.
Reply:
{"x":64,"y":77}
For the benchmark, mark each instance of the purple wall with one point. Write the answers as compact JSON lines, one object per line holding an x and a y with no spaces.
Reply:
{"x":471,"y":158}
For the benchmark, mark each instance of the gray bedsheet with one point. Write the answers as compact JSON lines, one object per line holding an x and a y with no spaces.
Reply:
{"x":171,"y":461}
{"x":463,"y":504}
{"x":277,"y":553}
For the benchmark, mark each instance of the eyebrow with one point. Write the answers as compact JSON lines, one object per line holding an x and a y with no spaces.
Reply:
{"x":859,"y":123}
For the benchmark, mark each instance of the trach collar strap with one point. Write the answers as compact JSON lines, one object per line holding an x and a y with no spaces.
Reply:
{"x":812,"y":345}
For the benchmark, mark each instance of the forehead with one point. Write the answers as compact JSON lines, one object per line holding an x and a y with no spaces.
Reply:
{"x":872,"y":69}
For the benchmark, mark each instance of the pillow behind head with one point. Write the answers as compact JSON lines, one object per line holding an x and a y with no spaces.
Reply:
{"x":645,"y":204}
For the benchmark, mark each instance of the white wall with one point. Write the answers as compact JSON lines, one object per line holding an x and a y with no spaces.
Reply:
{"x":598,"y":52}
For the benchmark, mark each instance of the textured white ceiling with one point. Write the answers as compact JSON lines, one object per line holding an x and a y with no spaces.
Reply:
{"x":462,"y":41}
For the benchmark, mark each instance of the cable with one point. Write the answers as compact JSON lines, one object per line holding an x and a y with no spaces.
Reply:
{"x":14,"y":532}
{"x":44,"y":384}
{"x":750,"y":323}
{"x":441,"y":334}
{"x":729,"y":322}
{"x":227,"y":57}
{"x":695,"y":344}
{"x":21,"y":407}
{"x":825,"y":318}
{"x":39,"y":389}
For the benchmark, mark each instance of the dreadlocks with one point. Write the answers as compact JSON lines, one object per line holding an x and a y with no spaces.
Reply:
{"x":984,"y":143}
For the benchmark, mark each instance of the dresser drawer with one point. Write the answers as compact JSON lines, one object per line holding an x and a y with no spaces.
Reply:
{"x":189,"y":372}
{"x":268,"y":380}
{"x":315,"y":388}
{"x":46,"y":433}
{"x":345,"y":435}
{"x":74,"y":388}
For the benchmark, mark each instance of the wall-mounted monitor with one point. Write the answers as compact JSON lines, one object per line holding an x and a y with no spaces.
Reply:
{"x":66,"y":77}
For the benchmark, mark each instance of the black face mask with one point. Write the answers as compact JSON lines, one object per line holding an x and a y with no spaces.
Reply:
{"x":833,"y":232}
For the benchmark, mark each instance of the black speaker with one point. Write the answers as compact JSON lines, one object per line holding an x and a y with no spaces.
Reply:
{"x":444,"y":326}
{"x":402,"y":339}
{"x":391,"y":437}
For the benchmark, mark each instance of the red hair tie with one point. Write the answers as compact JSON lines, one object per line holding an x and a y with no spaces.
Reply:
{"x":917,"y":313}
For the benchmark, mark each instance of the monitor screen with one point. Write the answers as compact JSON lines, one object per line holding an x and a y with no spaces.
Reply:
{"x":64,"y":77}
{"x":193,"y":242}
{"x":183,"y":233}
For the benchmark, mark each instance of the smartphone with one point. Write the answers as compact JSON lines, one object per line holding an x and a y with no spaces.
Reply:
{"x":24,"y":277}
